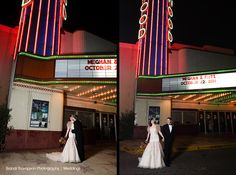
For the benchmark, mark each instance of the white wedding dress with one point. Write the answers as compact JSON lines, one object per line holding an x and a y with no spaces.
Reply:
{"x":153,"y":154}
{"x":69,"y":153}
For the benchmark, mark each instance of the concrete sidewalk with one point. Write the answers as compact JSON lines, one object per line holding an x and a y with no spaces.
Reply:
{"x":100,"y":159}
{"x":186,"y":143}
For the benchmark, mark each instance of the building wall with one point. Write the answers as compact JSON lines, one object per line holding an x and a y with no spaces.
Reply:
{"x":23,"y":136}
{"x":8,"y":38}
{"x":81,"y":42}
{"x":127,"y":76}
{"x":142,"y":105}
{"x":95,"y":44}
{"x":195,"y":60}
{"x":21,"y":105}
{"x":66,"y":43}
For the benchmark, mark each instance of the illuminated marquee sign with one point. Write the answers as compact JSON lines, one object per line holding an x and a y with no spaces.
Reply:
{"x":154,"y":37}
{"x":209,"y":81}
{"x":25,"y":2}
{"x":170,"y":23}
{"x":64,"y":14}
{"x":143,"y":19}
{"x":86,"y":68}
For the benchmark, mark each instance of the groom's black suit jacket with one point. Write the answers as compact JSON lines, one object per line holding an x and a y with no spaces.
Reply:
{"x":168,"y":136}
{"x":78,"y":130}
{"x":168,"y":142}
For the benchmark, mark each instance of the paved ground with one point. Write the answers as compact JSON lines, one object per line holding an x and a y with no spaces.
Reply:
{"x":192,"y":155}
{"x":100,"y":160}
{"x":186,"y":143}
{"x":207,"y":162}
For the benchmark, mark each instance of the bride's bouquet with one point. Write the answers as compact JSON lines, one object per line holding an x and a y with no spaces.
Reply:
{"x":62,"y":141}
{"x":143,"y":145}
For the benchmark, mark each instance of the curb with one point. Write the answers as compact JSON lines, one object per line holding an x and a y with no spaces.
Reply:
{"x":205,"y":147}
{"x":136,"y":150}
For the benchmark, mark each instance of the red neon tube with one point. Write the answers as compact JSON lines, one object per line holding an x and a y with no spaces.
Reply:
{"x":54,"y":26}
{"x":29,"y":27}
{"x":46,"y":32}
{"x":37,"y":29}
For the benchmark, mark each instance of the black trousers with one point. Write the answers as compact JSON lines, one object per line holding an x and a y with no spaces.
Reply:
{"x":167,"y":153}
{"x":80,"y":148}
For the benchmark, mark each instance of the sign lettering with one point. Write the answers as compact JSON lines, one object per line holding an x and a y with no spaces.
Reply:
{"x":143,"y":19}
{"x":86,"y":68}
{"x":209,"y":81}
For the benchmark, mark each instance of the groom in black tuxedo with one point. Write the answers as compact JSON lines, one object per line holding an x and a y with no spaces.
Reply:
{"x":168,"y":131}
{"x":79,"y":135}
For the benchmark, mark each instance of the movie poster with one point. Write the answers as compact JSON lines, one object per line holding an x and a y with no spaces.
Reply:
{"x":39,"y":114}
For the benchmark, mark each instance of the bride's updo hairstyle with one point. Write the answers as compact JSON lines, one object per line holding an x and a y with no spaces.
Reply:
{"x":150,"y":121}
{"x":68,"y":119}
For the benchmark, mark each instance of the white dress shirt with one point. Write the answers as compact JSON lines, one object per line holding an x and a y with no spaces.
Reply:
{"x":170,"y":127}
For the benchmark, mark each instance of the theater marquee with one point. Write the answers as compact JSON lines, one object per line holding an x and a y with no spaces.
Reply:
{"x":208,"y":81}
{"x":86,"y":68}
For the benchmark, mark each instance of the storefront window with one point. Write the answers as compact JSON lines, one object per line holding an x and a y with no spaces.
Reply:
{"x":189,"y":117}
{"x":177,"y":117}
{"x":97,"y":120}
{"x":86,"y":119}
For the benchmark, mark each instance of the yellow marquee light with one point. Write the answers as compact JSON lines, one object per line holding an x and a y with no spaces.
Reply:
{"x":74,"y":88}
{"x":201,"y":97}
{"x":189,"y":96}
{"x":103,"y":93}
{"x":176,"y":96}
{"x":217,"y":96}
{"x":91,"y":90}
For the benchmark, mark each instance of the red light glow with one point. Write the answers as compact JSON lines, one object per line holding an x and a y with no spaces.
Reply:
{"x":28,"y":33}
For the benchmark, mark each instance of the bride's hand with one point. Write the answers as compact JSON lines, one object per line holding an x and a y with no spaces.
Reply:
{"x":163,"y":139}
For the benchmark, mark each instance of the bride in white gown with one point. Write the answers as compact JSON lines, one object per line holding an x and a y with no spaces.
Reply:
{"x":70,"y":152}
{"x":153,"y":154}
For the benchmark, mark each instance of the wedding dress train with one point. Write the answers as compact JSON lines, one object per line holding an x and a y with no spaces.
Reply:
{"x":69,"y":153}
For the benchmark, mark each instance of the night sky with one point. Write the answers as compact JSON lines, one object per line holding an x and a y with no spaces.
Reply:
{"x":196,"y":22}
{"x":90,"y":15}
